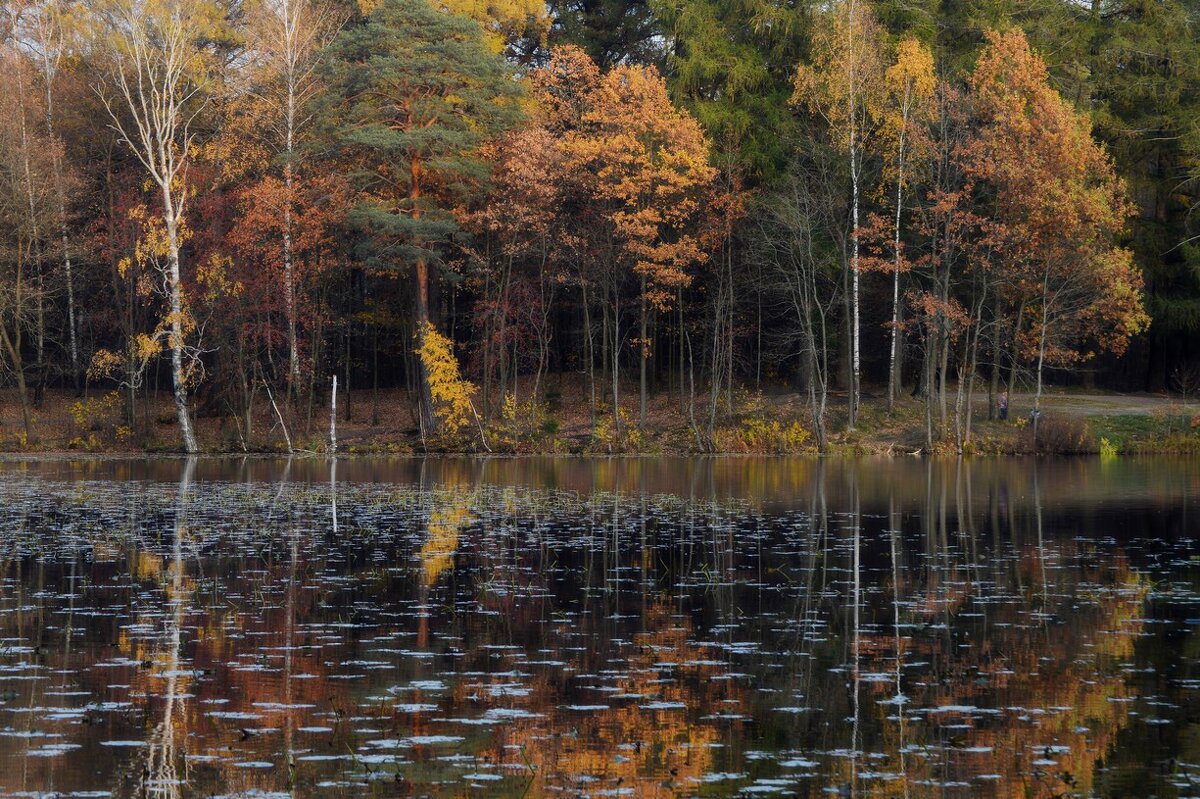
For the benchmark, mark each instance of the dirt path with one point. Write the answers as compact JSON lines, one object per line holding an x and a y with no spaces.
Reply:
{"x":1103,"y":404}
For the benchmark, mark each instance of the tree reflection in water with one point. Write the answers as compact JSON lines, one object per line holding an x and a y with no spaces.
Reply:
{"x":877,"y":629}
{"x":161,"y":776}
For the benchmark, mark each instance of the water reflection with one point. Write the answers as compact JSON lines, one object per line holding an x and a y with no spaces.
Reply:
{"x":641,"y":628}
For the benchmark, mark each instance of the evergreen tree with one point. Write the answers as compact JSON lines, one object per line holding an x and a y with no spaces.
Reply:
{"x":611,"y":32}
{"x":414,"y":93}
{"x":732,"y":64}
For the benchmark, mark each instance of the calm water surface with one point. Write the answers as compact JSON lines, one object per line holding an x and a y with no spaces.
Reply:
{"x":568,"y":627}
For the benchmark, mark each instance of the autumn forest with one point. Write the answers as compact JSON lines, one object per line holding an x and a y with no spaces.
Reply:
{"x":236,"y":224}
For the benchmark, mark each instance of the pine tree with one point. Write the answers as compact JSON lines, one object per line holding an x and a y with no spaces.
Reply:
{"x":414,"y":93}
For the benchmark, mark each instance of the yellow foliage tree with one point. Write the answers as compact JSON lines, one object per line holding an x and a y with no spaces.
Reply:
{"x":908,"y":107}
{"x":451,"y":393}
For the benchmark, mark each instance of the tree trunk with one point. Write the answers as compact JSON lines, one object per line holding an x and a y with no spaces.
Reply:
{"x":175,"y":288}
{"x":1016,"y":351}
{"x":616,"y":366}
{"x":894,"y":356}
{"x":1037,"y":397}
{"x":425,"y":399}
{"x":12,"y":345}
{"x":855,"y":363}
{"x":643,"y":356}
{"x":589,"y":351}
{"x":289,"y":282}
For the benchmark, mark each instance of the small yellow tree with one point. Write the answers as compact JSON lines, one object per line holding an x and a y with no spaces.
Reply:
{"x":451,"y":393}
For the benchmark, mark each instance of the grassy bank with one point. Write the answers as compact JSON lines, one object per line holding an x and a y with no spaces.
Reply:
{"x":562,"y":422}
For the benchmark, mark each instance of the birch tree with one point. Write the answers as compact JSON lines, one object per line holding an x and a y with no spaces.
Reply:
{"x":842,"y":85}
{"x":910,"y":85}
{"x":154,"y":93}
{"x":287,"y":38}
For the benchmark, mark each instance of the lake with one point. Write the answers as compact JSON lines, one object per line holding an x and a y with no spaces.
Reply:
{"x":599,"y":627}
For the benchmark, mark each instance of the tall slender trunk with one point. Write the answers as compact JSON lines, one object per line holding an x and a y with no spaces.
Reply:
{"x":32,"y":250}
{"x":894,"y":357}
{"x":49,"y":70}
{"x":682,"y":377}
{"x":502,"y":317}
{"x":175,"y":290}
{"x":290,"y":18}
{"x":730,"y":310}
{"x":589,"y":351}
{"x":714,"y":393}
{"x":994,"y":372}
{"x":604,"y":340}
{"x":425,"y":398}
{"x":973,"y":360}
{"x":1037,"y":397}
{"x":616,"y":355}
{"x":1016,"y":350}
{"x":289,"y":279}
{"x":855,"y":362}
{"x":12,"y":345}
{"x":643,"y":356}
{"x":930,"y":350}
{"x":943,"y":363}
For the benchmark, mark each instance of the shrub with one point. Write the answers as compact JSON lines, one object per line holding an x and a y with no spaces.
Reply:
{"x":606,"y":437}
{"x":772,"y":436}
{"x":523,"y":427}
{"x":95,"y":423}
{"x":760,"y":430}
{"x":1064,"y":435}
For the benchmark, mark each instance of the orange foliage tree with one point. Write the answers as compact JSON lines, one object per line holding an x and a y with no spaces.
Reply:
{"x":639,"y":174}
{"x":1052,"y":208}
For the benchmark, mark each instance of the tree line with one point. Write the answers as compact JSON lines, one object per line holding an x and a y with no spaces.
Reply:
{"x":241,"y":199}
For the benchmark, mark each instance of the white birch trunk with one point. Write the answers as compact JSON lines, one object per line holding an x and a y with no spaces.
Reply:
{"x":855,"y":361}
{"x":894,"y":356}
{"x":333,"y":418}
{"x":178,"y":371}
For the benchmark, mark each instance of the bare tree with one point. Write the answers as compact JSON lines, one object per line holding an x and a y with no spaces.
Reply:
{"x":44,"y":34}
{"x":798,"y":253}
{"x":26,"y":208}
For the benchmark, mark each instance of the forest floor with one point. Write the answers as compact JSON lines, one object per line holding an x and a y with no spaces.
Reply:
{"x":766,"y":422}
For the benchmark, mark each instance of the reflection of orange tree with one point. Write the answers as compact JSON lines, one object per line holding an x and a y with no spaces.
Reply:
{"x":1061,"y":695}
{"x":623,"y":742}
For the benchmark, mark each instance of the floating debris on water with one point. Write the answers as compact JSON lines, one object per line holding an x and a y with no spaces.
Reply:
{"x":217,"y":637}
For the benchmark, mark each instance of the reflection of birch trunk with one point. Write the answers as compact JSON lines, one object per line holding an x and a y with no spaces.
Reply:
{"x":161,"y":775}
{"x":1041,"y":544}
{"x":856,"y":643}
{"x":899,"y":699}
{"x":289,"y":644}
{"x":333,"y":493}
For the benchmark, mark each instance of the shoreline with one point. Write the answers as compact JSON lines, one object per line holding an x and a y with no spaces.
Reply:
{"x":760,"y":424}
